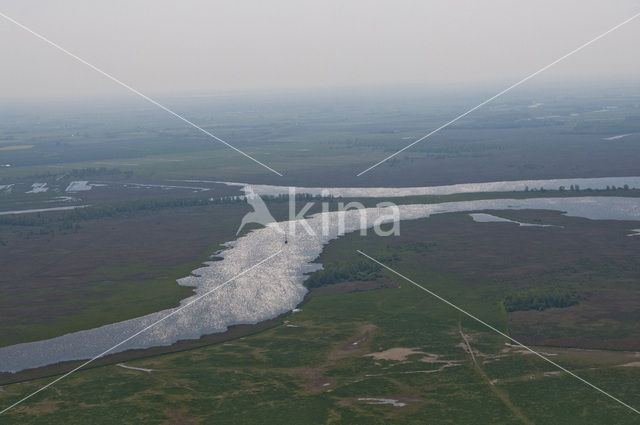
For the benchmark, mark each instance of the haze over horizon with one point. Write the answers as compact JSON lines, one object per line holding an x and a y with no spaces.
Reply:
{"x":198,"y":48}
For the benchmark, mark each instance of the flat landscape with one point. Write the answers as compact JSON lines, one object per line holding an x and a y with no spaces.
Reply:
{"x":354,"y":343}
{"x":327,"y":138}
{"x":365,"y":345}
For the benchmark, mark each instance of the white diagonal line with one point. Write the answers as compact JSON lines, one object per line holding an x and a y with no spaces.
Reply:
{"x":530,"y":76}
{"x":496,"y":330}
{"x":131,"y":89}
{"x":140,"y":331}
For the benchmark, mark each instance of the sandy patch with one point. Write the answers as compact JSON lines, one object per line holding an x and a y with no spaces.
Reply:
{"x":401,"y":353}
{"x":141,"y":369}
{"x":398,"y":354}
{"x":631,"y":364}
{"x":394,"y":403}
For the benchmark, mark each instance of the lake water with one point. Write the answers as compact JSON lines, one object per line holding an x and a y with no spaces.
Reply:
{"x":502,"y":186}
{"x":37,"y":210}
{"x":274,"y":287}
{"x":488,"y":218}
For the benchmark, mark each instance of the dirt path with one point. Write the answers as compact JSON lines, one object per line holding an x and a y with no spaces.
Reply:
{"x":500,"y":394}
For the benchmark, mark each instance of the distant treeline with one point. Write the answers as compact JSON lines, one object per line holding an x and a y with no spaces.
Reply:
{"x":298,"y":197}
{"x":112,"y":210}
{"x":79,"y":173}
{"x":344,"y":272}
{"x":576,"y":188}
{"x":539,"y":299}
{"x":21,"y":220}
{"x":129,"y":208}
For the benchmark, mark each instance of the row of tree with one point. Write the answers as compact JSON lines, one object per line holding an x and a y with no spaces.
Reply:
{"x":344,"y":272}
{"x":299,"y":197}
{"x":112,"y":210}
{"x":573,"y":187}
{"x":539,"y":299}
{"x":576,"y":188}
{"x":77,"y":173}
{"x":128,"y":208}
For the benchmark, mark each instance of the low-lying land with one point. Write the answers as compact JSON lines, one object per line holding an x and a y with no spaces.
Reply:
{"x":320,"y":139}
{"x":61,"y":275}
{"x":67,"y":271}
{"x":394,"y":353}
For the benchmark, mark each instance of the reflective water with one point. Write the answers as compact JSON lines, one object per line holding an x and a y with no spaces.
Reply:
{"x":488,"y":218}
{"x":271,"y":289}
{"x":503,"y":186}
{"x":37,"y":210}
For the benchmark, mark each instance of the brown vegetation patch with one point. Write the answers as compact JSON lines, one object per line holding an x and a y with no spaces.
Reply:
{"x":603,"y":319}
{"x":631,"y":364}
{"x":313,"y":379}
{"x":42,"y":407}
{"x":354,"y":286}
{"x":356,"y":345}
{"x":583,"y":256}
{"x":61,"y":267}
{"x":176,"y":418}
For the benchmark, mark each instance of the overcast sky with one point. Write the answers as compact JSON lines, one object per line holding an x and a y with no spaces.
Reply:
{"x":209,"y":47}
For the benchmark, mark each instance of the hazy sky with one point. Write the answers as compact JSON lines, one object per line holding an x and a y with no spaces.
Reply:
{"x":208,"y":47}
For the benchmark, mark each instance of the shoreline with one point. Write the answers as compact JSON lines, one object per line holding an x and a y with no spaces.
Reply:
{"x":233,"y":333}
{"x":582,"y":208}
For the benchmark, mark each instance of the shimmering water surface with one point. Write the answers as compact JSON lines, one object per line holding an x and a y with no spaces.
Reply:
{"x":488,"y":218}
{"x":37,"y":210}
{"x":274,"y":287}
{"x":502,"y":186}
